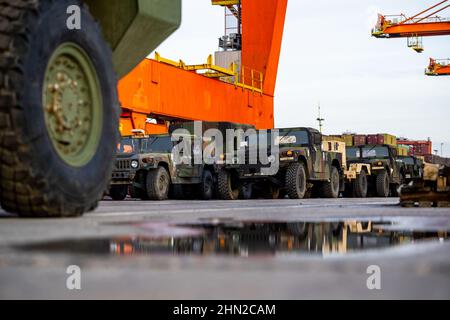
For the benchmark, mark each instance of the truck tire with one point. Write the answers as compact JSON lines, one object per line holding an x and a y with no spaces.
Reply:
{"x":360,"y":185}
{"x":296,"y":181}
{"x":330,"y":189}
{"x":382,"y":184}
{"x":158,"y":184}
{"x":118,"y":193}
{"x":228,"y":185}
{"x":207,"y":186}
{"x":57,"y":150}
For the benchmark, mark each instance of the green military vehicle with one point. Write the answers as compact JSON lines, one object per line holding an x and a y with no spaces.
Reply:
{"x":144,"y":168}
{"x":147,"y":169}
{"x":59,"y":110}
{"x":381,"y":177}
{"x":199,"y":179}
{"x":411,"y":168}
{"x":305,"y":168}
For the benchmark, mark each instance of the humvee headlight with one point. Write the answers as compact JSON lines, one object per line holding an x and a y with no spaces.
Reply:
{"x":289,"y":153}
{"x":379,"y":163}
{"x":134,"y":164}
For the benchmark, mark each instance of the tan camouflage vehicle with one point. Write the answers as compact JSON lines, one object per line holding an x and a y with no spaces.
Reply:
{"x":378,"y":167}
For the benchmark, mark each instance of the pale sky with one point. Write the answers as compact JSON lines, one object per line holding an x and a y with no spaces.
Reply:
{"x":364,"y":84}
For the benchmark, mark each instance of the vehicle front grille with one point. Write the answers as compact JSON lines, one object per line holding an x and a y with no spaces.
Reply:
{"x":123,"y":164}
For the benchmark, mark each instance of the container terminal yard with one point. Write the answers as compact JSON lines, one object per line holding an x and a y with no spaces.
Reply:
{"x":130,"y":174}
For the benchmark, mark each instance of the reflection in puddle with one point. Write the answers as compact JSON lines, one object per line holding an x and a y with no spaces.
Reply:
{"x":249,"y":239}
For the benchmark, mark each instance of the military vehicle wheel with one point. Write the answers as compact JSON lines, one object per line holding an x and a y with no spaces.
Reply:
{"x":246,"y":191}
{"x":296,"y":181}
{"x":382,"y":184}
{"x":330,"y":189}
{"x":360,"y":185}
{"x":158,"y":184}
{"x":59,"y":111}
{"x":118,"y":193}
{"x":207,"y":186}
{"x":228,"y":185}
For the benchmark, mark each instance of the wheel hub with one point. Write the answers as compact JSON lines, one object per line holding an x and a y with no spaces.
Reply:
{"x":72,"y":104}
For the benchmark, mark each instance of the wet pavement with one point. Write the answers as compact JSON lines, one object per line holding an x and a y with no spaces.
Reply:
{"x":280,"y":249}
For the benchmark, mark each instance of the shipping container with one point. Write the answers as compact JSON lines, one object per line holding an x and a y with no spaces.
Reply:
{"x":402,"y":151}
{"x":359,"y":140}
{"x":390,"y":139}
{"x":375,"y":139}
{"x":348,"y":138}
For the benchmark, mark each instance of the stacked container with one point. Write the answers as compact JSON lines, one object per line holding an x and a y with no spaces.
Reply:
{"x":359,"y":140}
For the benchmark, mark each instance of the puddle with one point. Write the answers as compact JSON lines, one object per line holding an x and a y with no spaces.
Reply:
{"x":234,"y":238}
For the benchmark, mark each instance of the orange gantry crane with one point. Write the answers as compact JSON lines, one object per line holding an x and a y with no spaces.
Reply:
{"x":237,"y":85}
{"x":424,"y":24}
{"x":438,"y":67}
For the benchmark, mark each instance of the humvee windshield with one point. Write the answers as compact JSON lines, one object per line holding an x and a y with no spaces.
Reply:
{"x":128,"y":145}
{"x":407,"y":160}
{"x":162,"y":144}
{"x":367,"y":152}
{"x":292,"y":138}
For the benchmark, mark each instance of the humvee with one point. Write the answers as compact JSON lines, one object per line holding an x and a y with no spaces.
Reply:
{"x":382,"y":175}
{"x":411,"y":168}
{"x":305,"y":165}
{"x":200,"y":179}
{"x":59,"y":110}
{"x":144,"y":168}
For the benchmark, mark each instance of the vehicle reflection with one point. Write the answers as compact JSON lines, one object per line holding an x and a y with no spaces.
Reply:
{"x":250,"y":239}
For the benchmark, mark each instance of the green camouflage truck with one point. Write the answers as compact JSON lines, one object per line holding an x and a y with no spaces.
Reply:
{"x":305,"y":168}
{"x":198,"y":179}
{"x":59,"y":110}
{"x":411,"y":168}
{"x":144,"y":168}
{"x":381,"y":177}
{"x":148,"y":169}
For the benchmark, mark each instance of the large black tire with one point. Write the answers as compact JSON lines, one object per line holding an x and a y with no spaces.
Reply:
{"x":296,"y":181}
{"x":330,"y":189}
{"x":360,"y":185}
{"x":118,"y":192}
{"x":158,"y":184}
{"x":382,"y":184}
{"x":35,"y":181}
{"x":228,"y":185}
{"x":207,"y":185}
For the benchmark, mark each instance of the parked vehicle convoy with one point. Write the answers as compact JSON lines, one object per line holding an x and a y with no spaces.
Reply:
{"x":59,"y":109}
{"x":411,"y":168}
{"x":304,"y":166}
{"x":147,"y":168}
{"x":382,"y":171}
